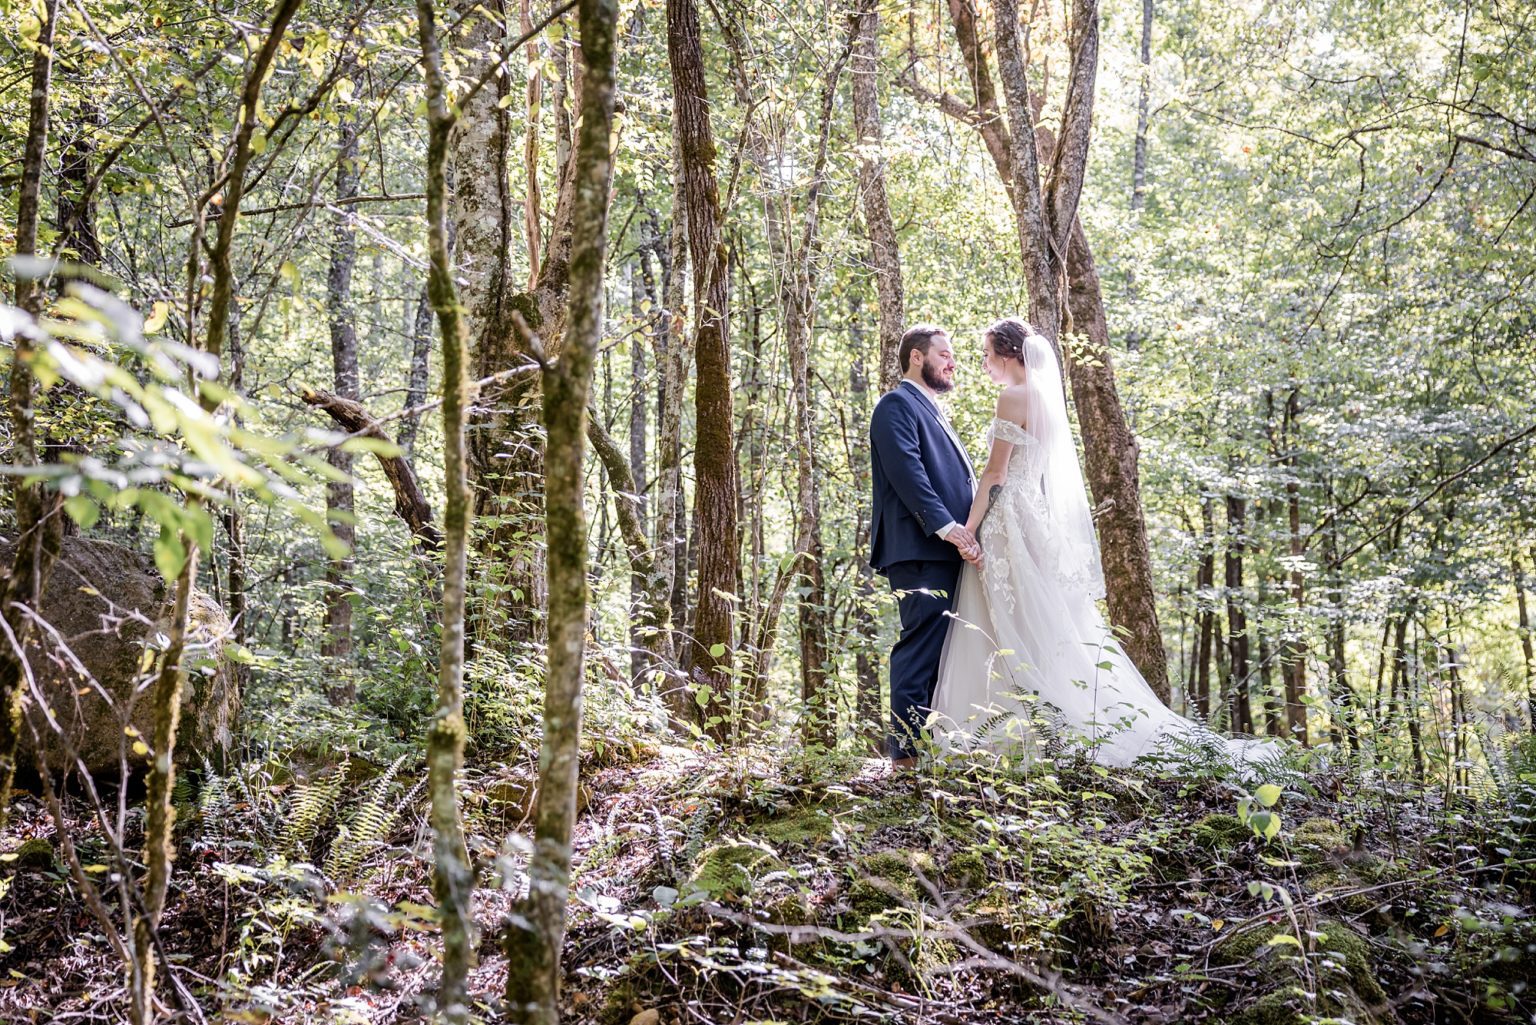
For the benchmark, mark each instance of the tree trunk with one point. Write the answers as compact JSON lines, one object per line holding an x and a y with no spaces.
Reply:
{"x":1345,"y":718}
{"x":879,"y":227}
{"x":1111,"y":458}
{"x":638,"y":443}
{"x":673,"y":356}
{"x":339,"y":501}
{"x":419,"y":377}
{"x":1237,"y":615}
{"x":535,"y":937}
{"x":453,"y":879}
{"x":39,"y":518}
{"x":1293,"y":656}
{"x":1143,"y":110}
{"x":1525,"y":639}
{"x":1205,"y":582}
{"x":714,"y":452}
{"x":869,"y":720}
{"x":76,"y":197}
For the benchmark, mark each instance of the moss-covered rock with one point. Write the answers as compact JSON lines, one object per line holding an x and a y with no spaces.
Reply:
{"x":1219,"y":832}
{"x":34,"y":855}
{"x":967,"y":870}
{"x":803,"y":826}
{"x":1336,"y":956}
{"x":890,"y":879}
{"x":1318,"y":842}
{"x":924,"y":949}
{"x":730,"y":870}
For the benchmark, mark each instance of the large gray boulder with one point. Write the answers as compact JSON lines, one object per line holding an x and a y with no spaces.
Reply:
{"x":107,"y":610}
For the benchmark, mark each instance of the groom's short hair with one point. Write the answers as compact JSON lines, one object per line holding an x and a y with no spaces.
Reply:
{"x":919,"y":337}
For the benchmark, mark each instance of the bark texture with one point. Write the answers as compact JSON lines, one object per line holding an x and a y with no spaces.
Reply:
{"x":452,"y":880}
{"x":339,"y":499}
{"x":879,"y":227}
{"x":714,"y":462}
{"x":411,"y":504}
{"x":536,"y":934}
{"x":39,"y":519}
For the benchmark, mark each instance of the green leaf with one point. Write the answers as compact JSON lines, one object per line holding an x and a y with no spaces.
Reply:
{"x":170,"y":554}
{"x":1268,"y":794}
{"x":716,"y":650}
{"x":83,"y":510}
{"x":374,"y":446}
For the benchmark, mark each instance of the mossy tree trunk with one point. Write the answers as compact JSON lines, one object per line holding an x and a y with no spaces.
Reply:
{"x":338,"y":494}
{"x":536,"y":933}
{"x":452,"y":880}
{"x":39,"y":518}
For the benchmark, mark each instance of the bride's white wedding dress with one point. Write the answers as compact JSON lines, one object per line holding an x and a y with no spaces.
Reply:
{"x":1027,"y":642}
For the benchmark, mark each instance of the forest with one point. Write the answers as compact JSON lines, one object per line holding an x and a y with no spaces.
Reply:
{"x":439,"y":491}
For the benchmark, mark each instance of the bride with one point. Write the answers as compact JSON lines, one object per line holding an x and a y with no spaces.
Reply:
{"x":1027,"y":646}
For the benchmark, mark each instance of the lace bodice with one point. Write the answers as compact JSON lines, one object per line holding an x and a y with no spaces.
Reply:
{"x":1024,"y":462}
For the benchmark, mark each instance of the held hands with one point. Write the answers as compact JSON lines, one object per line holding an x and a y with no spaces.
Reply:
{"x":962,"y":538}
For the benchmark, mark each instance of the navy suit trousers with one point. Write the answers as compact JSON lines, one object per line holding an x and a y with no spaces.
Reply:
{"x":915,"y":658}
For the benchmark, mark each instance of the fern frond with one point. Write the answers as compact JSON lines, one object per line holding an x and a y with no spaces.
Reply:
{"x":366,"y":825}
{"x":312,"y":806}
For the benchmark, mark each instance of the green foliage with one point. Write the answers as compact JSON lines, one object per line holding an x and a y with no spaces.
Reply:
{"x":311,"y":807}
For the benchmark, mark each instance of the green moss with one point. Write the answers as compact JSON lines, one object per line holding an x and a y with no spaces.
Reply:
{"x":729,"y":871}
{"x":1220,"y":832}
{"x":35,"y":854}
{"x":1282,"y":1007}
{"x":890,"y":879}
{"x":967,"y":869}
{"x":1340,"y":955}
{"x":804,"y":826}
{"x":1316,"y":842}
{"x":1332,"y":881}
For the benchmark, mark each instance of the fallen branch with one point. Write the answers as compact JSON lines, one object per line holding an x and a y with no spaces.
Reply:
{"x":410,"y":504}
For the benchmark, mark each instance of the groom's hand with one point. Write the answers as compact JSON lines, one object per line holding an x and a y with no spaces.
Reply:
{"x":965,"y":541}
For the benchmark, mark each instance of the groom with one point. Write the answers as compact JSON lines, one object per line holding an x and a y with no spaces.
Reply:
{"x":923,"y":485}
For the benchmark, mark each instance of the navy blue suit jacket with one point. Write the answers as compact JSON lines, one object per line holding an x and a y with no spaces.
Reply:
{"x":921,"y":481}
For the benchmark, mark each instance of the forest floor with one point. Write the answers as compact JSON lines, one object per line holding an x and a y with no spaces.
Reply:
{"x":731,"y":889}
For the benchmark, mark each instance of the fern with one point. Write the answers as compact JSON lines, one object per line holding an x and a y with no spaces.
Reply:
{"x":309,"y":810}
{"x":366,"y":825}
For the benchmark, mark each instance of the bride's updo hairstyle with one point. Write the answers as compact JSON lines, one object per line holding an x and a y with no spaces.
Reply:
{"x":1010,"y":338}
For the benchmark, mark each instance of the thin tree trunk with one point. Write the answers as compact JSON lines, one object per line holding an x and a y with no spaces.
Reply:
{"x":76,"y":218}
{"x":714,"y":453}
{"x":674,"y":357}
{"x":533,"y":228}
{"x":535,"y":939}
{"x":1143,"y":110}
{"x":39,"y":525}
{"x":1525,"y":638}
{"x":638,"y":444}
{"x":160,"y":816}
{"x":869,"y":720}
{"x":879,"y":227}
{"x":453,"y":879}
{"x":1293,"y":657}
{"x":419,"y":376}
{"x":1237,"y":615}
{"x":339,"y":498}
{"x":1205,"y":583}
{"x":1345,"y":719}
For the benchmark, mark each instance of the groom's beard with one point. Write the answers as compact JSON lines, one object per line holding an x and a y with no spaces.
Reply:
{"x":935,"y":383}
